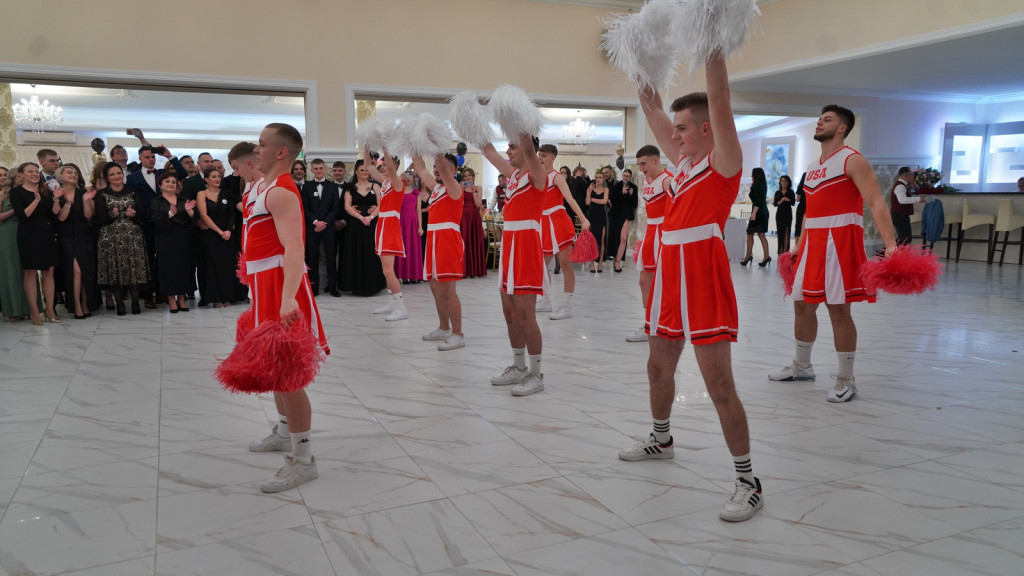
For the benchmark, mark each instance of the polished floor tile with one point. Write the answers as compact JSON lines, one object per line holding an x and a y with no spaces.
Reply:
{"x":120,"y":456}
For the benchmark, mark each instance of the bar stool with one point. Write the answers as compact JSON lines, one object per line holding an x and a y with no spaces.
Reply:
{"x":1007,"y":221}
{"x":972,"y":221}
{"x":951,"y":218}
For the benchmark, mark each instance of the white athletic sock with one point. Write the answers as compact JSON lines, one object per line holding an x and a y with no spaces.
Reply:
{"x":519,"y":358}
{"x":744,"y":469}
{"x":803,"y":353}
{"x":568,"y":299}
{"x":535,"y":364}
{"x":282,"y":426}
{"x":301,"y":447}
{"x":846,"y":364}
{"x":661,"y":431}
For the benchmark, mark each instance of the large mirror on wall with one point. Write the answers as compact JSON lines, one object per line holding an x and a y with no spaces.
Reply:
{"x":187,"y":122}
{"x":983,"y":157}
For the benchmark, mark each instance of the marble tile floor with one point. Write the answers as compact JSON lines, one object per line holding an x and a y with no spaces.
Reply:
{"x":120,"y":456}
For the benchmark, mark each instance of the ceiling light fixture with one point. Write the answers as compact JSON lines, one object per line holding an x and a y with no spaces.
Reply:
{"x":579,"y":131}
{"x":36,"y":116}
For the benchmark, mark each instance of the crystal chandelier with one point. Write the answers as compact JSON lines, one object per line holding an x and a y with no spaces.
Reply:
{"x":579,"y":131}
{"x":37,"y":116}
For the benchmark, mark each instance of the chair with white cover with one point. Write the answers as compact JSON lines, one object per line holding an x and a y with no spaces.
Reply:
{"x":952,"y":217}
{"x":973,"y":220}
{"x":1006,"y":222}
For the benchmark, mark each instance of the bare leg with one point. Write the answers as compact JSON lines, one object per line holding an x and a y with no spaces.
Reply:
{"x":298,"y":410}
{"x":568,"y":273}
{"x":805,"y":325}
{"x":81,"y":307}
{"x":515,"y":332}
{"x":843,"y":328}
{"x":715,"y":362}
{"x":29,"y":281}
{"x":661,"y":370}
{"x":525,"y":319}
{"x":453,"y":306}
{"x":441,"y":303}
{"x":387,"y":264}
{"x":764,"y":245}
{"x":623,"y":238}
{"x":49,"y":292}
{"x":750,"y":248}
{"x":646,"y":281}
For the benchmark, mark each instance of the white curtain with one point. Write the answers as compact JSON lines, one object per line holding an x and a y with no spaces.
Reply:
{"x":81,"y":156}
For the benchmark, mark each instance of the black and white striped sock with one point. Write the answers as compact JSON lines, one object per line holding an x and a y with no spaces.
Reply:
{"x":743,"y":468}
{"x":661,"y":431}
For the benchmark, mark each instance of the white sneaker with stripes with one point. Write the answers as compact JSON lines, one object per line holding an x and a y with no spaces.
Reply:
{"x":745,"y":502}
{"x":647,"y":450}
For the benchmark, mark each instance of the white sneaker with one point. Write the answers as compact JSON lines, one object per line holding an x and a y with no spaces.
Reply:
{"x":437,"y":335}
{"x":272,"y":443}
{"x":843,"y":391}
{"x":744,"y":503}
{"x":543,"y":305}
{"x":398,"y":314}
{"x":387,"y":308}
{"x":531,"y":384}
{"x":510,"y":376}
{"x":452,"y":342}
{"x":647,"y":450}
{"x":638,"y":336}
{"x":562,"y":313}
{"x":292,"y":474}
{"x":793,"y":372}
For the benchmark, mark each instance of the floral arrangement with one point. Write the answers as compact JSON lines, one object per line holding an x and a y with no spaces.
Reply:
{"x":927,"y":177}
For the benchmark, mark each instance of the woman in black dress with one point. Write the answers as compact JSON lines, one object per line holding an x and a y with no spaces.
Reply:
{"x":121,"y":248}
{"x":217,"y":210}
{"x":76,"y":242}
{"x":758,"y":217}
{"x":37,"y":239}
{"x":623,"y":212}
{"x":172,"y":216}
{"x":784,"y":200}
{"x":800,"y":207}
{"x":363,"y":274}
{"x":597,"y":199}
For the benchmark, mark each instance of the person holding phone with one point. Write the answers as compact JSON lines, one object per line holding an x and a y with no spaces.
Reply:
{"x":473,"y":226}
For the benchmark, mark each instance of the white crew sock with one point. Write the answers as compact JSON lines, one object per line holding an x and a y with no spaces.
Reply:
{"x":846,"y":364}
{"x":519,"y":358}
{"x":661,"y":431}
{"x":535,"y":364}
{"x":803,"y":353}
{"x":301,"y":447}
{"x":282,"y":426}
{"x":399,"y":301}
{"x":568,"y":299}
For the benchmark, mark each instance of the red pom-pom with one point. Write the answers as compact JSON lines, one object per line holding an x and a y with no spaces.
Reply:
{"x":636,"y":249}
{"x":787,"y":270}
{"x":243,"y":326}
{"x":240,"y":271}
{"x":909,"y":270}
{"x":585,"y":249}
{"x":272,"y":358}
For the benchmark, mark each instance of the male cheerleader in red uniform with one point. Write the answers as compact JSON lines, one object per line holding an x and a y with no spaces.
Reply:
{"x":443,"y":261}
{"x":388,"y":236}
{"x":558,"y":231}
{"x":692,"y":296}
{"x":656,"y":191}
{"x":523,"y":276}
{"x":276,"y":270}
{"x":830,"y":250}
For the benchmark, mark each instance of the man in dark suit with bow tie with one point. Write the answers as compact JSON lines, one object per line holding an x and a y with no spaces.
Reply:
{"x":144,"y":182}
{"x":320,"y":202}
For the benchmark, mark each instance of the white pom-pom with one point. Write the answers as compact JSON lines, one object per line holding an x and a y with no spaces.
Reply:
{"x":375,"y":133}
{"x":421,"y":136}
{"x":642,"y":46}
{"x":705,"y":28}
{"x":470,"y":119}
{"x":515,"y":112}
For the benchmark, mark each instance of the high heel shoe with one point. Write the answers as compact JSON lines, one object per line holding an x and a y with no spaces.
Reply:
{"x":746,"y":260}
{"x":617,"y":267}
{"x":52,"y":319}
{"x":592,"y":270}
{"x":136,"y":310}
{"x":37,"y":322}
{"x":765,"y":262}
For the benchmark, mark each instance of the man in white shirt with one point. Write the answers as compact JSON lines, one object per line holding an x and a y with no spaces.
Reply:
{"x":901,"y":205}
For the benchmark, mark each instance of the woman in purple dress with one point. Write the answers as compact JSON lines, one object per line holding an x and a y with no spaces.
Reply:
{"x":410,"y":268}
{"x":473,"y":227}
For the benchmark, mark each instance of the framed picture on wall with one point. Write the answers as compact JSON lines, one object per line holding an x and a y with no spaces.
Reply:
{"x":777,"y":159}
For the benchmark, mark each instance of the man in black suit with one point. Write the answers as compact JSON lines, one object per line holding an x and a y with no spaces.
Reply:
{"x":144,"y":183}
{"x":320,"y":204}
{"x":190,"y":190}
{"x":340,"y":173}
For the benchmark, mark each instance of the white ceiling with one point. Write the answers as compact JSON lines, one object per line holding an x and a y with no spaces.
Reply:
{"x":974,"y":68}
